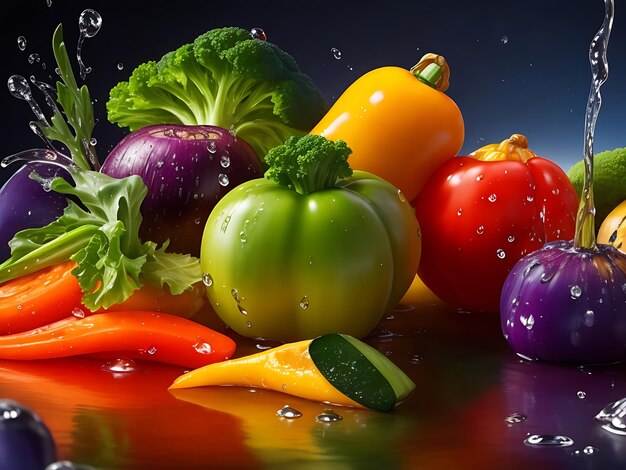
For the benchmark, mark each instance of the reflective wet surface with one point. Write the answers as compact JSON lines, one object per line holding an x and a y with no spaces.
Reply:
{"x":475,"y":405}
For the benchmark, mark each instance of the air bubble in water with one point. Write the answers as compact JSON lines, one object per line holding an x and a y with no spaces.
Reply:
{"x":120,"y":365}
{"x":336,"y":53}
{"x":288,"y":412}
{"x":21,"y":43}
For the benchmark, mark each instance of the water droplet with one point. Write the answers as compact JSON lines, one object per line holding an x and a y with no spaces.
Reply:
{"x":401,"y":196}
{"x":546,"y":277}
{"x":581,"y":394}
{"x":19,"y":307}
{"x":590,"y":450}
{"x":34,"y":57}
{"x":336,"y":53}
{"x":64,"y":464}
{"x":480,"y":230}
{"x":89,"y":23}
{"x":515,"y":418}
{"x":263,"y":347}
{"x":120,"y":365}
{"x":304,"y":303}
{"x":479,"y":178}
{"x":120,"y":66}
{"x":258,"y":33}
{"x":548,"y":440}
{"x":78,"y":312}
{"x":232,"y":131}
{"x":555,"y":191}
{"x":613,"y":417}
{"x":9,"y":410}
{"x":328,"y":416}
{"x":49,"y":3}
{"x":198,"y":220}
{"x":500,"y":253}
{"x":212,"y":147}
{"x":459,"y":212}
{"x":575,"y":292}
{"x":93,"y":142}
{"x":510,"y":239}
{"x":203,"y":348}
{"x":415,"y":359}
{"x":249,"y":324}
{"x":528,"y":322}
{"x":504,"y":39}
{"x":288,"y":412}
{"x":235,"y":295}
{"x":225,"y":161}
{"x":243,"y":237}
{"x":207,"y":280}
{"x":152,"y":350}
{"x":242,"y":310}
{"x":492,"y":198}
{"x":21,"y":43}
{"x":589,"y":319}
{"x":223,"y":179}
{"x":530,"y":198}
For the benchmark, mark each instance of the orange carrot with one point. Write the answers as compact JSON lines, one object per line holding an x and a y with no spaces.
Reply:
{"x":140,"y":334}
{"x":53,"y":293}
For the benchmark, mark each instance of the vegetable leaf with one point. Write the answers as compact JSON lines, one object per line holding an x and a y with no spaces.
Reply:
{"x":103,"y":239}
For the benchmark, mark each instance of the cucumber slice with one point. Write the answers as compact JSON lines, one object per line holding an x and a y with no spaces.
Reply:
{"x":359,"y":371}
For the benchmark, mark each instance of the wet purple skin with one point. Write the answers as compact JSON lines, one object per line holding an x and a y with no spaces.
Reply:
{"x":24,"y":203}
{"x":567,"y":306}
{"x":25,"y":441}
{"x":187,"y":170}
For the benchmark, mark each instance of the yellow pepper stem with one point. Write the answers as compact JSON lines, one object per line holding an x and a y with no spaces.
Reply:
{"x":433,"y":70}
{"x":515,"y":148}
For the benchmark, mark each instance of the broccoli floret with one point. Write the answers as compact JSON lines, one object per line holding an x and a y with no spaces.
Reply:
{"x":224,"y":78}
{"x":308,"y":163}
{"x":609,"y":173}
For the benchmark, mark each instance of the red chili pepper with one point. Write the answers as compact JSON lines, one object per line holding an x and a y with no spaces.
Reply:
{"x":481,"y":214}
{"x":137,"y":334}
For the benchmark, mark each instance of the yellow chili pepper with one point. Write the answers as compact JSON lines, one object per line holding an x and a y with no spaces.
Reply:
{"x":332,"y":368}
{"x":399,"y":123}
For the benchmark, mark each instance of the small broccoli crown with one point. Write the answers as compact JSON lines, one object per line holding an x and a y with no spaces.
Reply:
{"x":308,"y":163}
{"x":224,"y":78}
{"x":609,"y":173}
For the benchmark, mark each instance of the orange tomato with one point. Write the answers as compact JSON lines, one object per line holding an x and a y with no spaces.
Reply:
{"x":398,"y":123}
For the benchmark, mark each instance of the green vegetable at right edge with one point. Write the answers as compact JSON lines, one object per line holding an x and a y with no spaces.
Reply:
{"x":312,"y":248}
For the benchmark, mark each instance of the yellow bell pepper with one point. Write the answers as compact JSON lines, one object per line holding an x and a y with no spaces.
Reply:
{"x":399,"y":123}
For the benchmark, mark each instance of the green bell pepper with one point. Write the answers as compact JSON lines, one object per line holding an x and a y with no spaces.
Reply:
{"x":311,"y":248}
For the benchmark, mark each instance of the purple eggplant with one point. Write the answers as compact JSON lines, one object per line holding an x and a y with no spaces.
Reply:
{"x":25,"y":441}
{"x":187,"y":170}
{"x":25,"y":204}
{"x":561,"y":304}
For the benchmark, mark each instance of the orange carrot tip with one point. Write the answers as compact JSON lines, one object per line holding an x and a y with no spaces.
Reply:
{"x":332,"y":368}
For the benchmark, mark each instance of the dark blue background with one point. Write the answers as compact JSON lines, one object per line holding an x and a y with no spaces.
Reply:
{"x":517,"y":67}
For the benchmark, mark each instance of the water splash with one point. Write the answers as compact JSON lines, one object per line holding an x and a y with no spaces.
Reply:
{"x":89,"y":23}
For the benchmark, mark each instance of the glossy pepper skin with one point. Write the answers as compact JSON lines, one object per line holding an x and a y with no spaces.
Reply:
{"x":399,"y":124}
{"x":287,"y":266}
{"x":480,"y":214}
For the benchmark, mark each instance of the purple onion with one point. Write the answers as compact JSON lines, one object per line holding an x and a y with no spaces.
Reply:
{"x":187,"y":170}
{"x":568,"y":305}
{"x":25,"y":204}
{"x":25,"y":441}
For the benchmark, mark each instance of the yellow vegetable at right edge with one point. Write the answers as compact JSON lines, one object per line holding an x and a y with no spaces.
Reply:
{"x":400,"y":124}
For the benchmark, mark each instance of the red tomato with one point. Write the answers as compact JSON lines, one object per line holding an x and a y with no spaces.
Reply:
{"x":480,"y":214}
